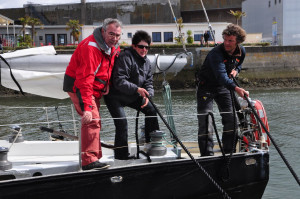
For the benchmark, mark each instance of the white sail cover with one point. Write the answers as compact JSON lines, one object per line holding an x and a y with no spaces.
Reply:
{"x":40,"y":71}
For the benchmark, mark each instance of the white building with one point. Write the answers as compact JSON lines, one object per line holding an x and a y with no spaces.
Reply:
{"x":164,"y":33}
{"x":277,"y":20}
{"x":160,"y":33}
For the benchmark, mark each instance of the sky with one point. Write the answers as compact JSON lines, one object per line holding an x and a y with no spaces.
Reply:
{"x":19,"y":3}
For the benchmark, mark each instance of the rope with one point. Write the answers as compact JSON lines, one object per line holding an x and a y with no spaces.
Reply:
{"x":168,"y":107}
{"x":234,"y":139}
{"x":16,"y":137}
{"x":220,"y":189}
{"x":271,"y":137}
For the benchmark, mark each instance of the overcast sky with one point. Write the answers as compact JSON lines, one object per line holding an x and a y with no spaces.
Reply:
{"x":19,"y":3}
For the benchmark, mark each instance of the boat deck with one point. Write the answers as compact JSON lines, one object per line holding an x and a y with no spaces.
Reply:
{"x":39,"y":158}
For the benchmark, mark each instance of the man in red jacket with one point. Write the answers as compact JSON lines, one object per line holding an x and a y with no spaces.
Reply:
{"x":86,"y":81}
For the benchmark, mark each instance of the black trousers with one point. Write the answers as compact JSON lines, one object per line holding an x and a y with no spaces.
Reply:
{"x":205,"y":98}
{"x":115,"y":105}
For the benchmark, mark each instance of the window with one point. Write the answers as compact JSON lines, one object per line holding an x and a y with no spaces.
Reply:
{"x":197,"y":37}
{"x":41,"y":38}
{"x":156,"y":36}
{"x":62,"y":39}
{"x":129,"y":35}
{"x":50,"y":39}
{"x":168,"y":36}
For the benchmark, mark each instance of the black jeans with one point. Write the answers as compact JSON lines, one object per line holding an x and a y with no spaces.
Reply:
{"x":115,"y":105}
{"x":222,"y":97}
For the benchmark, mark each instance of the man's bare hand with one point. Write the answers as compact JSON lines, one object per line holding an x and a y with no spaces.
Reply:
{"x":86,"y":117}
{"x":241,"y":92}
{"x":233,"y":73}
{"x":106,"y":91}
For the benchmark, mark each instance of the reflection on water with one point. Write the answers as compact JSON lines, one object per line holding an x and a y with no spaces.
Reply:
{"x":282,"y":107}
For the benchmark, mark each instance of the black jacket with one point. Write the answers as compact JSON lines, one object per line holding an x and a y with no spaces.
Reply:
{"x":130,"y":72}
{"x":218,"y":65}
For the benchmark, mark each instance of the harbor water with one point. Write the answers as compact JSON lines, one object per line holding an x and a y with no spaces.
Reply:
{"x":282,"y":108}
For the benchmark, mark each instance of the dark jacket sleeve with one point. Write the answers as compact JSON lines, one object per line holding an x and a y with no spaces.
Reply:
{"x":148,"y":84}
{"x":121,"y":74}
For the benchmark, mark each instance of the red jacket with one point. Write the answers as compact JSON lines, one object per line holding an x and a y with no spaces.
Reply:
{"x":89,"y":71}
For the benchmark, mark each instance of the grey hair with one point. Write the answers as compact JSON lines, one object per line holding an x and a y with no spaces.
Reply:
{"x":109,"y":21}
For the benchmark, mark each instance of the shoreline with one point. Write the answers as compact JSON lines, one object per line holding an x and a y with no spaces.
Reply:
{"x":255,"y":85}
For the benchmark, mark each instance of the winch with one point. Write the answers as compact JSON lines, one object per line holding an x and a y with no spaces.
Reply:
{"x":157,"y":144}
{"x":4,"y":163}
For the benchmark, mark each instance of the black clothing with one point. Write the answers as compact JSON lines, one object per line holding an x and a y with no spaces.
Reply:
{"x":206,"y":37}
{"x":213,"y":83}
{"x":130,"y":72}
{"x":218,"y":65}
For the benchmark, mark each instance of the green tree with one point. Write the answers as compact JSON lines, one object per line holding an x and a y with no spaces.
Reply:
{"x":24,"y":22}
{"x":74,"y":26}
{"x":25,"y":41}
{"x":180,"y":38}
{"x":34,"y":22}
{"x":189,"y":39}
{"x":237,"y":14}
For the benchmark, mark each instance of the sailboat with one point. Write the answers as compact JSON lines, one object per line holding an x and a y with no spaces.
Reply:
{"x":52,"y":169}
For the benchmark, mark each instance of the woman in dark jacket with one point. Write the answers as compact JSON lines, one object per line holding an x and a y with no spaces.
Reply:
{"x":132,"y":82}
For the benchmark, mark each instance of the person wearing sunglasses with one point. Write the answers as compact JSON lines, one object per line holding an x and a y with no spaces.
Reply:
{"x":132,"y":84}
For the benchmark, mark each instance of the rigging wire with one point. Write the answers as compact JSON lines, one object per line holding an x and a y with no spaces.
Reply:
{"x":180,"y":35}
{"x":209,"y":25}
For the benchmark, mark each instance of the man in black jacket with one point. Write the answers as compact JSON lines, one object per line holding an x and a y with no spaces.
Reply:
{"x":132,"y":82}
{"x":214,"y":83}
{"x":206,"y":37}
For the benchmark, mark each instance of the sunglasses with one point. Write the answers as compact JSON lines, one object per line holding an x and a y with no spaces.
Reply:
{"x":142,"y":47}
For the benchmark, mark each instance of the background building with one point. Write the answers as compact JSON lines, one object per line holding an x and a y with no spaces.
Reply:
{"x":277,"y":20}
{"x":133,"y":13}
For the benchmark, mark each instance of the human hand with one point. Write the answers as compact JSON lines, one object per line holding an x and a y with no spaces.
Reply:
{"x":86,"y":117}
{"x":241,"y":92}
{"x":146,"y":100}
{"x":106,"y":91}
{"x":142,"y":92}
{"x":233,"y":73}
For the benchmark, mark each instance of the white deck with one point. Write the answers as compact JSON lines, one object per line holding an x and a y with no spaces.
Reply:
{"x":35,"y":158}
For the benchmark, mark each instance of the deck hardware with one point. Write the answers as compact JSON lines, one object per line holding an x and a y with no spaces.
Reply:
{"x":250,"y":161}
{"x":116,"y":179}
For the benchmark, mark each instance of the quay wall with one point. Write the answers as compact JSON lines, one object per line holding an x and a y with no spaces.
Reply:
{"x":270,"y":67}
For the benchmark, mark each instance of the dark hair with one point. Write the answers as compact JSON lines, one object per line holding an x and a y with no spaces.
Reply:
{"x":237,"y":31}
{"x":141,"y":35}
